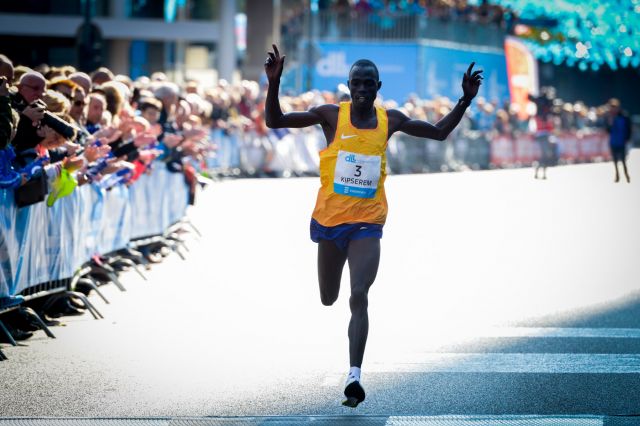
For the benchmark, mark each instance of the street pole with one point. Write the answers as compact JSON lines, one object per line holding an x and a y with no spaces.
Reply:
{"x":89,"y":40}
{"x":313,"y":10}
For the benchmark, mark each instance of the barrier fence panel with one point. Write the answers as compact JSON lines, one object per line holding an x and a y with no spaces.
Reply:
{"x":295,"y":152}
{"x":570,"y":147}
{"x":42,"y":244}
{"x":8,"y":243}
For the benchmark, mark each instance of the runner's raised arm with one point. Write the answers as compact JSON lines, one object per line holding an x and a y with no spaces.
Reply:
{"x":400,"y":122}
{"x":274,"y":117}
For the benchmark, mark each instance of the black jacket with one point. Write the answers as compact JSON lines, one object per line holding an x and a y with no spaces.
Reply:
{"x":26,"y":136}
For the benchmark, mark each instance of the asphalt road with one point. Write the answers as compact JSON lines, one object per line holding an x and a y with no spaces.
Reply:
{"x":497,"y":294}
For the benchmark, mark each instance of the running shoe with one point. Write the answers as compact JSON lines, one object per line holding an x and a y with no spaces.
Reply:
{"x":354,"y":393}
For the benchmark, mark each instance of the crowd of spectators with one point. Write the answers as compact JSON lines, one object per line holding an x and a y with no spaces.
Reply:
{"x":58,"y":122}
{"x":117,"y":127}
{"x":349,"y":16}
{"x":483,"y":13}
{"x":62,"y":128}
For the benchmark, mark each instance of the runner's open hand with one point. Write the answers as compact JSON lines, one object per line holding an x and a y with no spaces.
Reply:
{"x":471,"y":82}
{"x":274,"y":64}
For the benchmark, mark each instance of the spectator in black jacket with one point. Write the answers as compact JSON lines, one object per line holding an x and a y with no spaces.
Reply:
{"x":31,"y":87}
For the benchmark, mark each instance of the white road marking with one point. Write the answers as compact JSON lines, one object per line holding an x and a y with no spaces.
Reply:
{"x":494,"y":421}
{"x":608,"y":333}
{"x":555,"y":363}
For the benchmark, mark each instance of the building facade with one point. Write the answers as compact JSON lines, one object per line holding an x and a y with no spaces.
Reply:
{"x":186,"y":38}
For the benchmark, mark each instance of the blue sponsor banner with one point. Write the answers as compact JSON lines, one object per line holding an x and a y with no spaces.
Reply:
{"x":445,"y":64}
{"x":428,"y":69}
{"x":396,"y":62}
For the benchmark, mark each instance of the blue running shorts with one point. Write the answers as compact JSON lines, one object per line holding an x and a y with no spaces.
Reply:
{"x":342,"y":234}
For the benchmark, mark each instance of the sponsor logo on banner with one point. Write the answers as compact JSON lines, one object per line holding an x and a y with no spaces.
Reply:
{"x":334,"y":64}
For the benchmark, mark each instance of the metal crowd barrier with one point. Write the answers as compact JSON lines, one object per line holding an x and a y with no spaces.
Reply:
{"x":42,"y":248}
{"x":294,"y":152}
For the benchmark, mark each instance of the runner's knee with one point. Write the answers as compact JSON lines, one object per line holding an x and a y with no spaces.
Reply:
{"x":327,"y":300}
{"x":328,"y":294}
{"x":358,"y":300}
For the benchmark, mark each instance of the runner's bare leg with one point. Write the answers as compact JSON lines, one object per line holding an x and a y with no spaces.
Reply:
{"x":331,"y":262}
{"x":364,"y":258}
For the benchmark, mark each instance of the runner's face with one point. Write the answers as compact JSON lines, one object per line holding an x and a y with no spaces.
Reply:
{"x":363,"y":85}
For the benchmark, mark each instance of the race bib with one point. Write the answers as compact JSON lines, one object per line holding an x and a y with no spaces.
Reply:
{"x":357,"y":175}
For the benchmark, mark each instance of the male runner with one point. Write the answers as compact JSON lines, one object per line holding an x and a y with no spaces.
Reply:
{"x":351,"y":207}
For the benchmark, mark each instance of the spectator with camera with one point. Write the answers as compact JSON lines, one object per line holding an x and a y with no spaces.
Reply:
{"x":27,"y":101}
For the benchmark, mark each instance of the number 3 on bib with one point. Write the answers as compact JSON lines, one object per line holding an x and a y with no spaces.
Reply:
{"x":357,"y":175}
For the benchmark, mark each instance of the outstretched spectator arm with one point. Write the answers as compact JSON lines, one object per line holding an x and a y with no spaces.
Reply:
{"x":399,"y":122}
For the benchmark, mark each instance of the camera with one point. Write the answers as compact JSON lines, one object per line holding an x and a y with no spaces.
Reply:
{"x":59,"y":125}
{"x":56,"y":123}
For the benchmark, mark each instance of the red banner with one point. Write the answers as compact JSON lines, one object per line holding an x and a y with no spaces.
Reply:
{"x":572,"y":147}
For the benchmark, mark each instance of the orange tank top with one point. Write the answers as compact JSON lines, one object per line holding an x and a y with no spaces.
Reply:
{"x":352,"y":173}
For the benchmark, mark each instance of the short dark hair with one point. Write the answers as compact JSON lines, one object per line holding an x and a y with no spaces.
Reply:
{"x":364,"y":63}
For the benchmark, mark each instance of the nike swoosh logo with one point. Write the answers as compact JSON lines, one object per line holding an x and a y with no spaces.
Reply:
{"x":347,"y":136}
